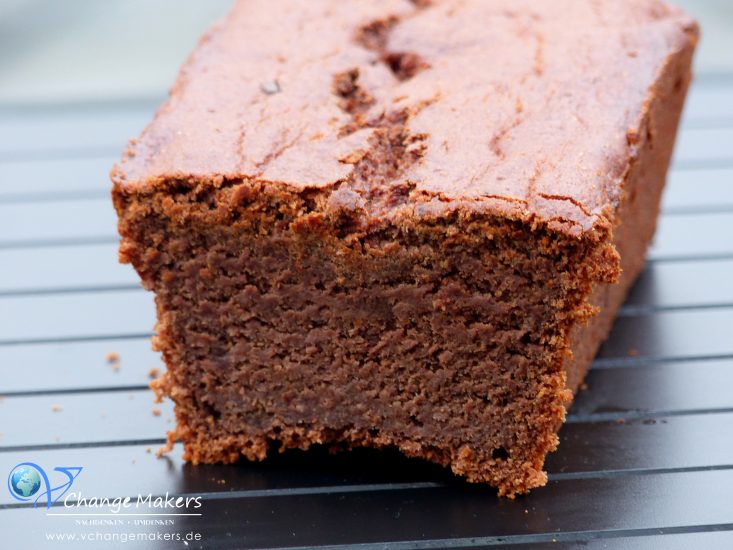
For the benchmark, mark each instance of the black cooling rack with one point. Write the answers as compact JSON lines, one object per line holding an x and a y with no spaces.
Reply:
{"x":646,"y":458}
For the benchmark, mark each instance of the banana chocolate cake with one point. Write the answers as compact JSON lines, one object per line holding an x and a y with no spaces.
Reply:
{"x":400,"y":223}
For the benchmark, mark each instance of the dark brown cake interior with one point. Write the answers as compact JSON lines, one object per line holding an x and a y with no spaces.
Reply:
{"x":456,"y":328}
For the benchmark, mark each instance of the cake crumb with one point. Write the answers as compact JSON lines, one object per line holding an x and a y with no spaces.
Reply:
{"x":620,"y":421}
{"x":57,"y":408}
{"x":633,"y":352}
{"x":270,"y":87}
{"x":583,"y":387}
{"x":113,"y":357}
{"x":168,"y":447}
{"x":148,"y":450}
{"x":153,"y":372}
{"x":156,"y":412}
{"x":115,"y":367}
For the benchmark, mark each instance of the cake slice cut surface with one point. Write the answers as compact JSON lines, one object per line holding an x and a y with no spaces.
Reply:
{"x":400,"y":223}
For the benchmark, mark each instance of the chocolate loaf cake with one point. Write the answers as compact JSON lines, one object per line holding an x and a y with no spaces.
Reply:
{"x":400,"y":223}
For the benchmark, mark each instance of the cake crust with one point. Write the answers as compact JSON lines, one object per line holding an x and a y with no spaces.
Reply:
{"x":362,"y":229}
{"x":555,"y":105}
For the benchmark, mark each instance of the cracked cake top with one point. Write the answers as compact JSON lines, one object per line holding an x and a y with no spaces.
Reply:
{"x":407,"y":107}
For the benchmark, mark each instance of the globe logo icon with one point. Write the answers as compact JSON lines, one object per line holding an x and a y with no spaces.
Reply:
{"x":24,"y":481}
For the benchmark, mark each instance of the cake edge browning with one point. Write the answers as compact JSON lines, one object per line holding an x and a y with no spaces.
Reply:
{"x":244,"y":142}
{"x":652,"y":144}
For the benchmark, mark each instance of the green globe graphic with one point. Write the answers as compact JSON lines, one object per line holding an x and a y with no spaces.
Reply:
{"x":25,"y":481}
